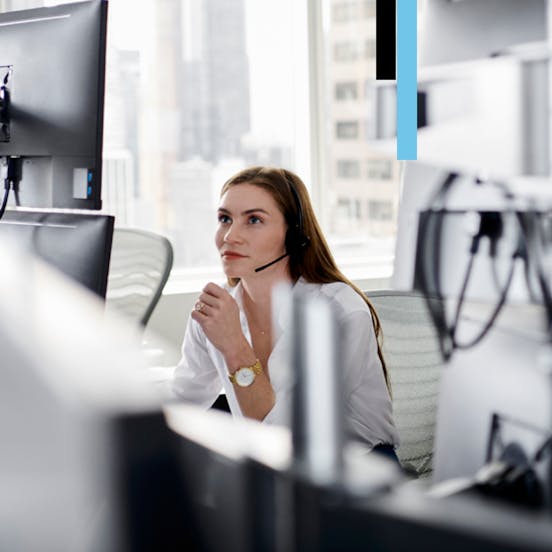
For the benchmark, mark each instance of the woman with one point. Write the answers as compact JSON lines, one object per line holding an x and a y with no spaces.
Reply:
{"x":268,"y":234}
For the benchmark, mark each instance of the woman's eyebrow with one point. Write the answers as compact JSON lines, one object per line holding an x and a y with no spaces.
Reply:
{"x":257,"y":210}
{"x":247,"y":212}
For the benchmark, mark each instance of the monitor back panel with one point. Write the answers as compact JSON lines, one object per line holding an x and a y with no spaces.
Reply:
{"x":78,"y":244}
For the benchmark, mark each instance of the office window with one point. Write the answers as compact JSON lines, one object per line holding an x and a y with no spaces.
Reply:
{"x":198,"y":89}
{"x":379,"y":169}
{"x":369,"y":9}
{"x":345,"y":208}
{"x":346,"y":50}
{"x":357,"y":209}
{"x":380,"y":210}
{"x":195,"y":91}
{"x":345,"y":11}
{"x":346,"y":130}
{"x":370,"y":48}
{"x":345,"y":91}
{"x":351,"y":10}
{"x":349,"y":217}
{"x":348,"y":168}
{"x":361,"y":235}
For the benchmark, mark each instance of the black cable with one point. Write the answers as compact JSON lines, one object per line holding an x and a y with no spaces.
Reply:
{"x":537,"y":457}
{"x":492,"y":318}
{"x":432,"y":292}
{"x":494,"y":231}
{"x":444,"y":189}
{"x":490,"y":227}
{"x":4,"y":201}
{"x":465,"y":283}
{"x":494,"y":271}
{"x":14,"y":168}
{"x":447,"y":343}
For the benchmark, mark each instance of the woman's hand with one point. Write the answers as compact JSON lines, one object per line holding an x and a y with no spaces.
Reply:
{"x":217,"y":312}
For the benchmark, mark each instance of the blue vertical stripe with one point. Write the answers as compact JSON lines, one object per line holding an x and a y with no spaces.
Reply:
{"x":407,"y":109}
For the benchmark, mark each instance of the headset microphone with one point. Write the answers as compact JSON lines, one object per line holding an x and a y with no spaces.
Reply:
{"x":271,"y":262}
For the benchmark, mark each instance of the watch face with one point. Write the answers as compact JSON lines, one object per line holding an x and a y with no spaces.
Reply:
{"x":245,"y":377}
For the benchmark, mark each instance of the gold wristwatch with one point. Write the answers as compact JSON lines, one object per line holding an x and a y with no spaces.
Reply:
{"x":245,"y":375}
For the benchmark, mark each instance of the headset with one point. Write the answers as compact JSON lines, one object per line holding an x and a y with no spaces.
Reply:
{"x":296,"y":240}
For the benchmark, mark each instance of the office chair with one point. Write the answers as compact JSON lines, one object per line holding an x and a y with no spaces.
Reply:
{"x":139,"y":268}
{"x":414,"y":363}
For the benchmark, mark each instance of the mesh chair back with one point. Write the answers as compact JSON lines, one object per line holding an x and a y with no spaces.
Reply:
{"x":414,"y":362}
{"x":139,"y":268}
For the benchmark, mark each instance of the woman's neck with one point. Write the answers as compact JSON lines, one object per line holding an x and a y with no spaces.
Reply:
{"x":257,"y":291}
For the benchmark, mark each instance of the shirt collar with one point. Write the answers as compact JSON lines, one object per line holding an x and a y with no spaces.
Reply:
{"x":281,"y":312}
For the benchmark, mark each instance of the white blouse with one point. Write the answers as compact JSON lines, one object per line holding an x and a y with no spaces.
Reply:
{"x":202,"y":371}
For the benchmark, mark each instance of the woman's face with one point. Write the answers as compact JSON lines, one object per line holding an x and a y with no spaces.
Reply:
{"x":251,"y":230}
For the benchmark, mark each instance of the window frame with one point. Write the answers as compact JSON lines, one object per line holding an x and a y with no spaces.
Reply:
{"x":360,"y":270}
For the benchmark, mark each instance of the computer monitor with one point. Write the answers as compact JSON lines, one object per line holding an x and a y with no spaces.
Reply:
{"x":78,"y":244}
{"x":52,"y":68}
{"x":228,"y":467}
{"x":246,"y":488}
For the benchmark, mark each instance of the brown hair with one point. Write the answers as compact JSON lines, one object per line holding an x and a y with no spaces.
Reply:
{"x":315,"y":263}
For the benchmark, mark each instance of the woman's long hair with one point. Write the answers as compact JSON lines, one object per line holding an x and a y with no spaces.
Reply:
{"x":314,"y":263}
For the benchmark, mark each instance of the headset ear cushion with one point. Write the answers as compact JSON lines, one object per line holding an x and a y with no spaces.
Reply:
{"x":296,"y":241}
{"x":291,"y":241}
{"x":303,"y":240}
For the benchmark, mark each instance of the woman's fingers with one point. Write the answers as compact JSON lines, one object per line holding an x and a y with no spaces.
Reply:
{"x":215,"y":291}
{"x":210,"y":299}
{"x":218,"y":314}
{"x":213,"y":296}
{"x":201,"y":307}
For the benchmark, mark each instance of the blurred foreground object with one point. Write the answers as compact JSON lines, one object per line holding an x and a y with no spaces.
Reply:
{"x":87,"y":461}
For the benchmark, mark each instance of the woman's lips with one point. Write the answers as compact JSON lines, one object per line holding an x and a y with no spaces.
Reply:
{"x":231,"y":255}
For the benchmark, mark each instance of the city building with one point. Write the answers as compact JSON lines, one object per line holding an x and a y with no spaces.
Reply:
{"x":214,"y":92}
{"x":363,"y":185}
